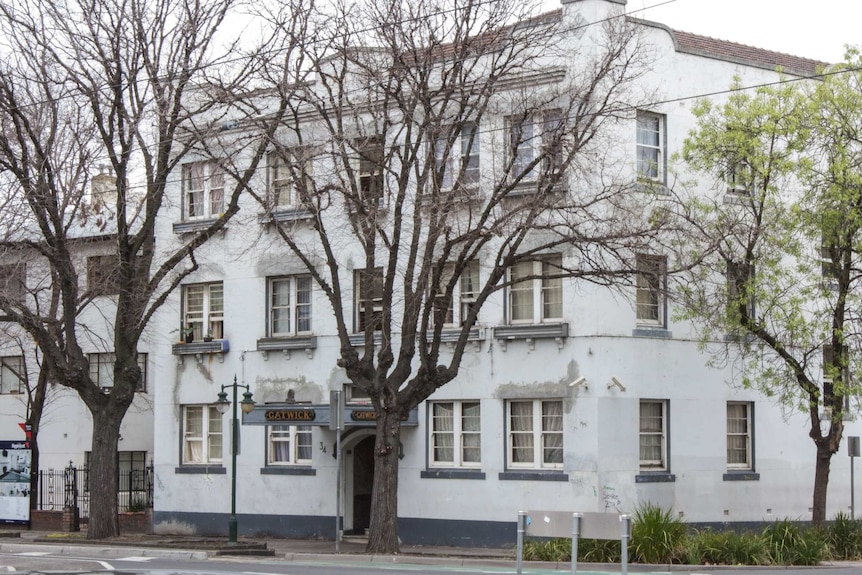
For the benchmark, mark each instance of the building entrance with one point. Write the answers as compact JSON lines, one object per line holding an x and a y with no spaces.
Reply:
{"x":363,"y":478}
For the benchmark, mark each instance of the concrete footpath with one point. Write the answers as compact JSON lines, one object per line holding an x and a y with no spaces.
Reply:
{"x":307,"y":550}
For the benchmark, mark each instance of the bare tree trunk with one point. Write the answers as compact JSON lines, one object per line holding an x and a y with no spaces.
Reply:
{"x":821,"y":483}
{"x":34,"y":420}
{"x":383,"y":531}
{"x":104,"y":521}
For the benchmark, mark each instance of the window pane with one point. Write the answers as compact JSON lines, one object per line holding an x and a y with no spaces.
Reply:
{"x":552,"y":290}
{"x":522,"y":292}
{"x":521,"y":427}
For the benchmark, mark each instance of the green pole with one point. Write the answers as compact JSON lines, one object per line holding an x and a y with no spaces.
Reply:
{"x":232,"y":524}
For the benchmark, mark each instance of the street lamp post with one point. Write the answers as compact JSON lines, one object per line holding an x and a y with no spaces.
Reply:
{"x":247,"y":405}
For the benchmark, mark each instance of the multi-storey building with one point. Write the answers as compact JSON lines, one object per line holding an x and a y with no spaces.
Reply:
{"x":571,"y":396}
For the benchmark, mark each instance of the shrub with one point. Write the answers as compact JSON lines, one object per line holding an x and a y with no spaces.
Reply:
{"x":726,"y":548}
{"x":656,"y":535}
{"x":599,"y":551}
{"x":548,"y":550}
{"x":788,"y":544}
{"x":844,"y":537}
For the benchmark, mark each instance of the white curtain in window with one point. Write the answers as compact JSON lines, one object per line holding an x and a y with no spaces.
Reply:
{"x":521,"y":426}
{"x":651,"y":427}
{"x":552,"y":431}
{"x":443,"y":432}
{"x":303,"y":443}
{"x":193,"y":450}
{"x":471,"y":449}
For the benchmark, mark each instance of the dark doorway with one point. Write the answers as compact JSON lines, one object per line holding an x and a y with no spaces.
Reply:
{"x":363,"y":477}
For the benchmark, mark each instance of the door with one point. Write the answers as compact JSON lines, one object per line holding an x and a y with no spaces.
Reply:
{"x":363,"y":477}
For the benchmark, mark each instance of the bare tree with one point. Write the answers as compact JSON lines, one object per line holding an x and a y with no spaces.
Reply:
{"x":379,"y":191}
{"x":122,"y":91}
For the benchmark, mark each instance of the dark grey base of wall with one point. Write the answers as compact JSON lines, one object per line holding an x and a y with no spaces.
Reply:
{"x":412,"y":530}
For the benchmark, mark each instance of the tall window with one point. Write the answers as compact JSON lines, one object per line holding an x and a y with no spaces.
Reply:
{"x":739,"y":426}
{"x":202,"y":434}
{"x":455,"y":434}
{"x":102,"y":274}
{"x":203,"y":189}
{"x":465,"y":147}
{"x":289,"y":445}
{"x":371,"y":170}
{"x":369,"y":299}
{"x":540,"y":298}
{"x":535,"y":434}
{"x":740,"y":178}
{"x":102,"y":370}
{"x":13,"y":282}
{"x":651,"y":148}
{"x":653,"y":435}
{"x":534,"y":136}
{"x":454,"y":310}
{"x":204,"y":309}
{"x":829,"y":374}
{"x":289,"y":305}
{"x":285,"y":187}
{"x":651,"y":281}
{"x":12,"y":376}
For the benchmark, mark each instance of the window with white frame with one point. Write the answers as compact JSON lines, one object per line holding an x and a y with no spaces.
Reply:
{"x":465,"y":148}
{"x":653,"y":435}
{"x":202,"y":434}
{"x":536,"y":290}
{"x":739,"y":428}
{"x":454,"y":310}
{"x":369,"y":299}
{"x":12,"y":376}
{"x":651,"y":149}
{"x":102,"y":370}
{"x":455,"y":434}
{"x":535,"y":434}
{"x":739,"y":289}
{"x":13,"y":282}
{"x":289,"y":445}
{"x":739,"y":178}
{"x":204,"y":310}
{"x":289,"y":305}
{"x":829,"y":373}
{"x":203,"y":189}
{"x":371,"y":176}
{"x":290,"y":173}
{"x":533,"y":136}
{"x":103,"y":274}
{"x":650,"y":287}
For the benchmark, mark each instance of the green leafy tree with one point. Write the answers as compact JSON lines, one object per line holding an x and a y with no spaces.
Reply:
{"x":772,"y":253}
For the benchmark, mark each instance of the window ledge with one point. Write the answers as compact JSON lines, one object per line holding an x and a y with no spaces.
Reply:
{"x":275,"y":470}
{"x":190,"y":226}
{"x":737,"y":197}
{"x":192,"y":469}
{"x":655,"y":477}
{"x":201,"y":347}
{"x":741,"y":476}
{"x":451,"y":474}
{"x":530,"y":332}
{"x":533,"y":476}
{"x":739,"y":338}
{"x":282,"y":343}
{"x":358,"y":339}
{"x":652,"y":186}
{"x":451,"y":335}
{"x":285,"y":215}
{"x":528,"y":188}
{"x":655,"y":332}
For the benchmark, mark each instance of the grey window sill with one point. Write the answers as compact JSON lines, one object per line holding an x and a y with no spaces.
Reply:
{"x":655,"y":332}
{"x":201,"y":347}
{"x":191,"y":226}
{"x":655,"y":477}
{"x":741,"y":476}
{"x":275,"y":470}
{"x":451,"y":474}
{"x":291,"y":342}
{"x":285,"y":215}
{"x":201,"y":469}
{"x":533,"y":476}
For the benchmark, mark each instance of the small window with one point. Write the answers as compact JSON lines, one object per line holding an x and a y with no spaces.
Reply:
{"x":651,"y":282}
{"x":102,"y":274}
{"x":739,"y":432}
{"x":830,"y":371}
{"x":740,"y":276}
{"x":539,"y":298}
{"x":204,"y":310}
{"x":651,"y":149}
{"x":532,"y":138}
{"x":289,"y":445}
{"x":371,"y":178}
{"x":13,"y":378}
{"x":203,"y":190}
{"x":202,"y":435}
{"x":455,"y":434}
{"x":13,"y":282}
{"x":653,"y":435}
{"x":369,"y":300}
{"x":102,"y":370}
{"x":353,"y":395}
{"x":289,"y":306}
{"x":455,"y":310}
{"x":464,"y":147}
{"x":290,"y":177}
{"x":535,"y":434}
{"x":739,"y":177}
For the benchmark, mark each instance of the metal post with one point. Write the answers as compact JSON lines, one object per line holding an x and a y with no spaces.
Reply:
{"x":576,"y":533}
{"x":522,"y":515}
{"x":624,"y":544}
{"x":337,"y":490}
{"x":232,"y":523}
{"x":852,"y":491}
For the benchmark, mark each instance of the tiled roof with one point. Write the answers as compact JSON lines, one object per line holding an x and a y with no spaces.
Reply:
{"x":724,"y":50}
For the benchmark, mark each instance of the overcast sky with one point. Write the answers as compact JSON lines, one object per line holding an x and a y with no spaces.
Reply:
{"x":812,"y":28}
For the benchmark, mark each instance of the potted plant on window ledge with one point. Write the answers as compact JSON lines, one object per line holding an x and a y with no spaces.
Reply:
{"x":188,"y":334}
{"x":209,"y":336}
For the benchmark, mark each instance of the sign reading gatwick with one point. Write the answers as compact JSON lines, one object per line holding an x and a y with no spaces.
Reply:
{"x":293,"y":414}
